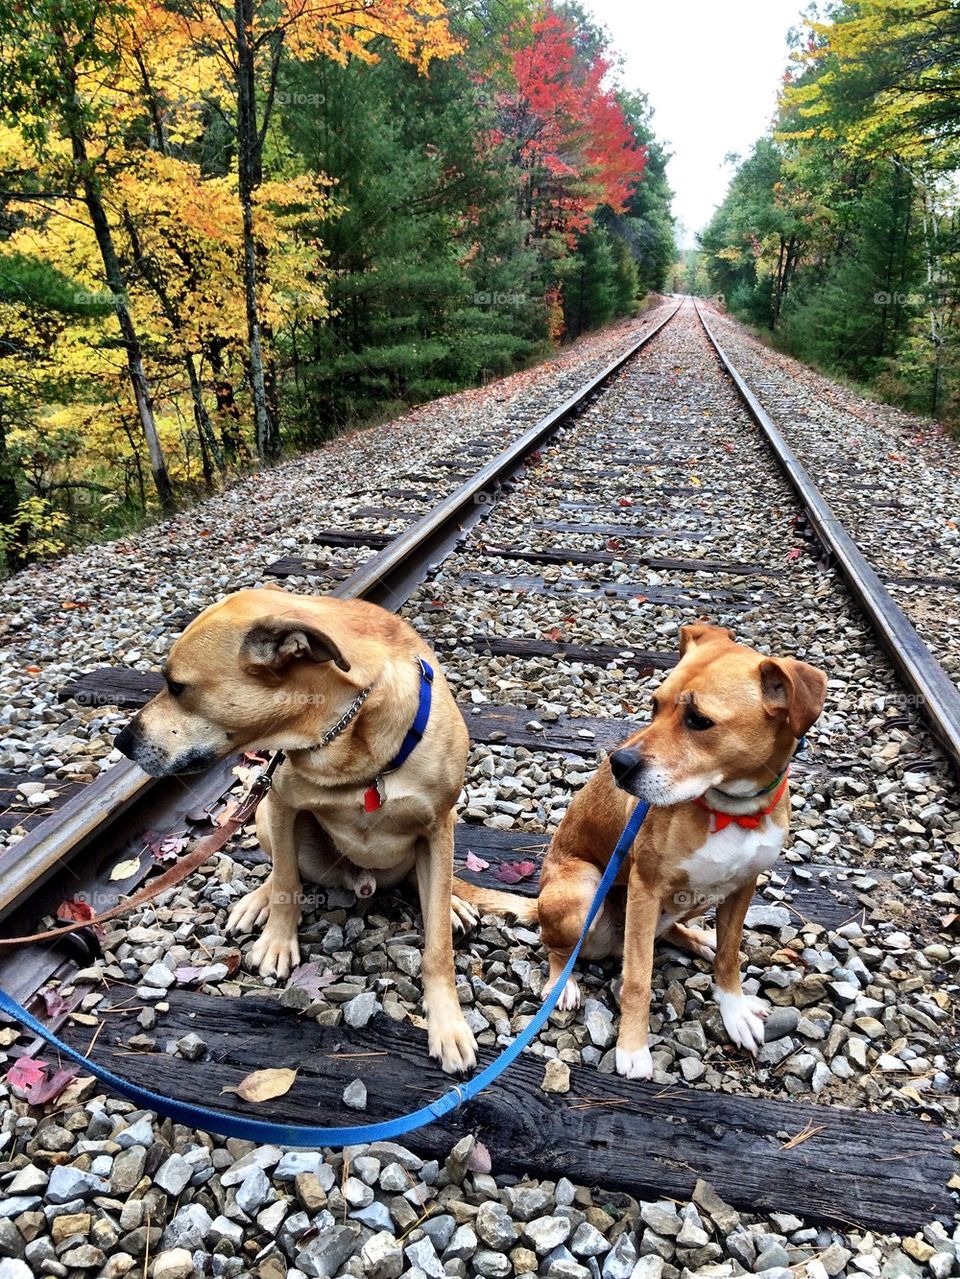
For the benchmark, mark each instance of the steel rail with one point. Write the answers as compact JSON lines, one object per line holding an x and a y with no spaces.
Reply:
{"x":387,"y":575}
{"x":939,"y":696}
{"x":386,"y":578}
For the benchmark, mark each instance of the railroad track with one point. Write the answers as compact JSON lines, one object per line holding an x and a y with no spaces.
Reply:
{"x":552,"y":582}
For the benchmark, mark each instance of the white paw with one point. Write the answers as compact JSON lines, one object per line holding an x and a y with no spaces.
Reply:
{"x":463,"y":916}
{"x":743,"y":1017}
{"x":250,"y":911}
{"x":450,"y":1040}
{"x":569,"y":996}
{"x":276,"y":952}
{"x":635,"y":1065}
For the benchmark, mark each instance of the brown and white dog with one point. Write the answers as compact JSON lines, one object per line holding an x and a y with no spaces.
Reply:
{"x":713,"y":764}
{"x":280,"y":672}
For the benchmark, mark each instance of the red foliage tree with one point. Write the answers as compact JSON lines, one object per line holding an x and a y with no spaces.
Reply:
{"x":569,"y":136}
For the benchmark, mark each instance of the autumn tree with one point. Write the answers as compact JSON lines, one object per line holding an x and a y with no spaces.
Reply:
{"x":251,"y":41}
{"x":62,"y":81}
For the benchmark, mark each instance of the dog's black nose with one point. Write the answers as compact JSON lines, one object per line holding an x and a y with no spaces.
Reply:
{"x":125,"y":742}
{"x":626,"y":764}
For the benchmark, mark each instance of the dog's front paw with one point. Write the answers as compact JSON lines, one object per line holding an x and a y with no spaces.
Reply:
{"x":635,"y":1065}
{"x":450,"y":1040}
{"x":250,"y":911}
{"x":463,"y":915}
{"x":569,"y":996}
{"x":743,"y":1017}
{"x":276,"y":952}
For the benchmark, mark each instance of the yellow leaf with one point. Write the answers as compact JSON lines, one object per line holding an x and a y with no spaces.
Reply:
{"x":695,"y":481}
{"x":261,"y":1085}
{"x":123,"y":870}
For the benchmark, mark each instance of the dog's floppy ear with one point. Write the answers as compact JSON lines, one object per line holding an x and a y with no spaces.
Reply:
{"x":273,"y":644}
{"x":793,"y":689}
{"x":702,"y":633}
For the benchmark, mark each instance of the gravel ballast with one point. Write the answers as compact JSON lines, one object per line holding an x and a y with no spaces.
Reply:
{"x":864,"y":1014}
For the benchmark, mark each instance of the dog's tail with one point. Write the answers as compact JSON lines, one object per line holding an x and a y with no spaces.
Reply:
{"x":522,"y":909}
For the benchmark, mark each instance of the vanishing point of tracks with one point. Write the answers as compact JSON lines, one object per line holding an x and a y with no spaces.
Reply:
{"x":553,"y":583}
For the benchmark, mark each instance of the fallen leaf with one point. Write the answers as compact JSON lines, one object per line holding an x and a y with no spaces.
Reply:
{"x":8,"y":1036}
{"x":309,"y":978}
{"x":54,"y":1002}
{"x":75,"y":912}
{"x":49,"y":1089}
{"x":641,"y":599}
{"x":554,"y":633}
{"x":262,"y":1085}
{"x":626,"y":501}
{"x":697,"y":483}
{"x":475,"y":863}
{"x":190,"y":974}
{"x":514,"y":872}
{"x":26,"y":1073}
{"x":163,"y":848}
{"x":123,"y":870}
{"x":794,"y":554}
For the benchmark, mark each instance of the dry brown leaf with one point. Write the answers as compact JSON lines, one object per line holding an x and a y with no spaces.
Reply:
{"x":262,"y":1085}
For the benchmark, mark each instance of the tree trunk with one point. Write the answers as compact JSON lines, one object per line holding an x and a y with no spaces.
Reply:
{"x":209,"y":446}
{"x":114,"y":280}
{"x":228,"y":414}
{"x":248,"y":179}
{"x":131,"y":341}
{"x":9,"y":500}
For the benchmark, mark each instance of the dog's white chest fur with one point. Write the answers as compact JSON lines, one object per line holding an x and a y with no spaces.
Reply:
{"x":731,"y":856}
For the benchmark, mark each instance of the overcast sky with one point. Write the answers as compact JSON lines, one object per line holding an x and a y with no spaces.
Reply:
{"x":711,"y":69}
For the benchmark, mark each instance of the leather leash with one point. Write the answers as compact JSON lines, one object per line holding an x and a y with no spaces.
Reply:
{"x":207,"y":846}
{"x":263,"y":1132}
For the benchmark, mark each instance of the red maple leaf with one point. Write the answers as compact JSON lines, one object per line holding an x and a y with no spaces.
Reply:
{"x":514,"y":872}
{"x":74,"y":911}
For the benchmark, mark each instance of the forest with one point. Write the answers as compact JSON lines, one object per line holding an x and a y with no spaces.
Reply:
{"x":839,"y":232}
{"x":229,"y":231}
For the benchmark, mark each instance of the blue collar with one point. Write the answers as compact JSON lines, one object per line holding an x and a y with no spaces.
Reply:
{"x":375,"y":794}
{"x":419,"y":725}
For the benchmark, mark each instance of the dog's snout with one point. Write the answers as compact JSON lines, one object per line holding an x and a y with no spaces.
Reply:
{"x":626,"y":764}
{"x":126,"y":742}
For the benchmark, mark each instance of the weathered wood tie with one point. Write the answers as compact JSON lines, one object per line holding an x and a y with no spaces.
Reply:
{"x":877,"y":1171}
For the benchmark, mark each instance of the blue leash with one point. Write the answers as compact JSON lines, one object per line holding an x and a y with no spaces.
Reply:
{"x":263,"y":1132}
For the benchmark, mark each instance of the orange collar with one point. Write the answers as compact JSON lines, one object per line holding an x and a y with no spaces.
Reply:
{"x":749,"y":821}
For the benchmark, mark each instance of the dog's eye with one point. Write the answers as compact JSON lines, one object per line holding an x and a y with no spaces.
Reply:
{"x":654,"y":707}
{"x":693,"y":719}
{"x":175,"y":689}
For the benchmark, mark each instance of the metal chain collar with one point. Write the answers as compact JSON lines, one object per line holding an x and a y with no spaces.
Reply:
{"x":344,"y":722}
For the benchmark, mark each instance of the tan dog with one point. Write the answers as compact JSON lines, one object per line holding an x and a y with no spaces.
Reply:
{"x":284,"y":672}
{"x":713,"y":761}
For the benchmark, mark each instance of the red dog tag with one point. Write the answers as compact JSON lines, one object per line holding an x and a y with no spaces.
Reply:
{"x":371,"y":799}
